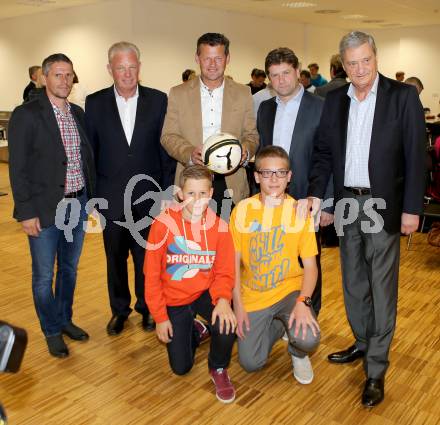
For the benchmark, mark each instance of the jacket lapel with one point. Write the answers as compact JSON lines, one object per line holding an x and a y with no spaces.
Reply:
{"x":343,"y":126}
{"x":380,"y":112}
{"x":269,"y":122}
{"x":195,"y":106}
{"x":50,"y":120}
{"x":116,"y":117}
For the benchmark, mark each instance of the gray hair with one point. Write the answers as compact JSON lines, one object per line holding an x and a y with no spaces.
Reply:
{"x":355,"y":39}
{"x":123,"y":46}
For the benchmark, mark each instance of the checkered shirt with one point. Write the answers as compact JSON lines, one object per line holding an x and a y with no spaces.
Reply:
{"x":72,"y":145}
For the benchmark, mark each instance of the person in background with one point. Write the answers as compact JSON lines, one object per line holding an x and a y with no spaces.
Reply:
{"x":317,"y":79}
{"x":337,"y":74}
{"x":32,"y":84}
{"x":258,"y":80}
{"x":400,"y":76}
{"x":414,"y":81}
{"x":40,"y":87}
{"x":188,"y":74}
{"x":305,"y":79}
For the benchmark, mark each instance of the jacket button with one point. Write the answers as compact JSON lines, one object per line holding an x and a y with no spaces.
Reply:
{"x":61,"y":185}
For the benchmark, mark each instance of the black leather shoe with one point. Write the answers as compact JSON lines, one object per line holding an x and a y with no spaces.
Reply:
{"x":75,"y":332}
{"x":116,"y":324}
{"x":346,"y":356}
{"x":57,"y":346}
{"x":373,"y":392}
{"x":148,"y":323}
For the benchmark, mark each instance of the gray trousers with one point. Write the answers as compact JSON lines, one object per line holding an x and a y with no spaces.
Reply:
{"x":267,"y":326}
{"x":370,"y":269}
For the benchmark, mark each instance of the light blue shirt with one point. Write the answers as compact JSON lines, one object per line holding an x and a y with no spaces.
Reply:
{"x":360,"y":125}
{"x":285,"y":120}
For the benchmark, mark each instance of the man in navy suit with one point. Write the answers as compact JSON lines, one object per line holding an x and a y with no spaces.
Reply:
{"x":291,"y":120}
{"x":124,"y":124}
{"x":371,"y":138}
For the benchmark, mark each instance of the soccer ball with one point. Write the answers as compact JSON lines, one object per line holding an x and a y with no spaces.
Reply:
{"x":221,"y":153}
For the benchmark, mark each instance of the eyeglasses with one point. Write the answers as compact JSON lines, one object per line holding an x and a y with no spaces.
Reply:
{"x":267,"y":174}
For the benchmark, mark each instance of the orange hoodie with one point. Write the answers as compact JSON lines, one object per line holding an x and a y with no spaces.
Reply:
{"x":184,"y":259}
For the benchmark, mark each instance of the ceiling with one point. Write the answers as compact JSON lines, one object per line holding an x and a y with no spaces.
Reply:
{"x":13,"y":8}
{"x":343,"y":14}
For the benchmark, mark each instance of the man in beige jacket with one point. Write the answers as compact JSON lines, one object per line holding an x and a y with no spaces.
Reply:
{"x":208,"y":105}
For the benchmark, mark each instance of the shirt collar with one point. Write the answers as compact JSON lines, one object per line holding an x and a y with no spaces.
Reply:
{"x":59,"y":110}
{"x":118,"y":96}
{"x":351,"y":90}
{"x":204,"y":87}
{"x":297,"y":98}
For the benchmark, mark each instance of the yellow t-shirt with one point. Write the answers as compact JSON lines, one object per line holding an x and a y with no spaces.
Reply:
{"x":270,"y":240}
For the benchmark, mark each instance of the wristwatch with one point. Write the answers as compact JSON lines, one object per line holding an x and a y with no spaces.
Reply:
{"x":306,"y":300}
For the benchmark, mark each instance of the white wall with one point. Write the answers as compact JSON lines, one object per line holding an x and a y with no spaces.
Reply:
{"x":416,"y":52}
{"x":165,"y":32}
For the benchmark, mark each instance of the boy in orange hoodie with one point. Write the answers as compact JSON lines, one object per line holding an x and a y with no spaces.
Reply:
{"x":189,"y":270}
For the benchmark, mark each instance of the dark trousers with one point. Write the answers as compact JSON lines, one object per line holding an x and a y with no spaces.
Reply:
{"x":370,"y":269}
{"x":219,"y":186}
{"x":118,"y":243}
{"x":317,"y":293}
{"x":182,"y":348}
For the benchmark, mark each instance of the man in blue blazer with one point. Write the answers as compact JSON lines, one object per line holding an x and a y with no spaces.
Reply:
{"x":372,"y":139}
{"x":124,"y":124}
{"x":291,"y":120}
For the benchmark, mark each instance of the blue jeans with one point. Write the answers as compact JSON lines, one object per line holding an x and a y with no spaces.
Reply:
{"x":54,"y":307}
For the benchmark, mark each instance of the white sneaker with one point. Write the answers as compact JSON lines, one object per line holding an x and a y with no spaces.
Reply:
{"x":302,"y":369}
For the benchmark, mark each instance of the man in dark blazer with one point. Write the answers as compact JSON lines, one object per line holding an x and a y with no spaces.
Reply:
{"x":371,"y":137}
{"x":52,"y":176}
{"x":124,"y":124}
{"x":291,"y":120}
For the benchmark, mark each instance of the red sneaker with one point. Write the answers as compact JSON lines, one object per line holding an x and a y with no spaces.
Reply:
{"x":203,"y":331}
{"x":224,"y":390}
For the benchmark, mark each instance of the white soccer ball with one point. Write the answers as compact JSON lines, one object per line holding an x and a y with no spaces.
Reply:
{"x":221,"y":153}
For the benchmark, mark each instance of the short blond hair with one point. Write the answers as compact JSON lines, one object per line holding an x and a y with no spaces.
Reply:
{"x":196,"y":172}
{"x":123,"y":46}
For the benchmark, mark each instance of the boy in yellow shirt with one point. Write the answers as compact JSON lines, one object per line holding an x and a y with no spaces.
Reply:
{"x":272,"y":292}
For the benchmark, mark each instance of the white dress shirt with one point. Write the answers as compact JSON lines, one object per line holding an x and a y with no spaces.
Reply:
{"x":360,"y":125}
{"x":212,"y":106}
{"x":285,"y":120}
{"x":127,"y":112}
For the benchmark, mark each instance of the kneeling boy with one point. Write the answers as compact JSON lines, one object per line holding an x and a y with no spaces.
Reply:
{"x":272,"y":294}
{"x":189,"y":270}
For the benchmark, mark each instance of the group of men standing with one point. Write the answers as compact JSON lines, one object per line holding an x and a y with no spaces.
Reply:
{"x":365,"y":141}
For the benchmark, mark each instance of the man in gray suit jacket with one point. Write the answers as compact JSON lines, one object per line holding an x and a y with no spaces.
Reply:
{"x":291,"y":120}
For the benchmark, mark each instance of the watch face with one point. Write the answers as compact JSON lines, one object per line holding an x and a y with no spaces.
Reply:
{"x":308,"y":301}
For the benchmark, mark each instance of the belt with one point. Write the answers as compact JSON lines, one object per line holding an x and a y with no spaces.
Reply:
{"x":76,"y":194}
{"x":359,"y":190}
